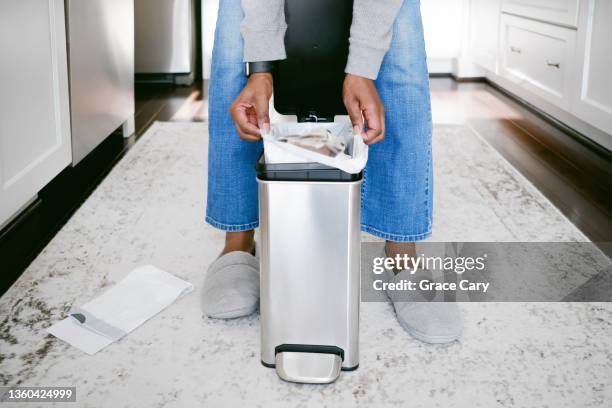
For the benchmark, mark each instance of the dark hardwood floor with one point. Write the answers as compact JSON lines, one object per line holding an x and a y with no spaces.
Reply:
{"x":574,"y":174}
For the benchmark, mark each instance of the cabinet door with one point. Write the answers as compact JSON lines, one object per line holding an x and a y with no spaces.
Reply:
{"x":484,"y":32}
{"x":539,"y":57}
{"x":34,"y":115}
{"x":593,"y":93}
{"x":562,"y":12}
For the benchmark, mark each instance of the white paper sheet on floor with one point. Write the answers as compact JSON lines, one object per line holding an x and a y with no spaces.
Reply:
{"x":142,"y":294}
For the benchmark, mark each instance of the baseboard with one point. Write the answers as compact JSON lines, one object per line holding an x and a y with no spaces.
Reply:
{"x":477,"y":79}
{"x":456,"y":79}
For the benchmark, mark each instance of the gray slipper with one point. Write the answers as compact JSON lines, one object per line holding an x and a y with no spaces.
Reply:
{"x":429,"y":322}
{"x":231,"y":286}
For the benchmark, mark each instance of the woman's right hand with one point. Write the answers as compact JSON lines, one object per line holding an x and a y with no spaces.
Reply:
{"x":250,"y":110}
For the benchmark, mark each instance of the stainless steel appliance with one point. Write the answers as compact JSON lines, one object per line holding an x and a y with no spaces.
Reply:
{"x":100,"y":35}
{"x":310,"y":275}
{"x":165,"y":39}
{"x":310,"y":214}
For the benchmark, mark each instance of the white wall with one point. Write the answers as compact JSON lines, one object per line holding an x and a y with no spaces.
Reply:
{"x":209,"y":19}
{"x":443,"y":26}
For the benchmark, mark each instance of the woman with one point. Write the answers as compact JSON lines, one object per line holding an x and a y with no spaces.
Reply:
{"x":386,"y":91}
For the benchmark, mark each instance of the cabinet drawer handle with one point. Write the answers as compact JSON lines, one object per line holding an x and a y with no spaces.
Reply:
{"x":553,"y":64}
{"x":514,"y":49}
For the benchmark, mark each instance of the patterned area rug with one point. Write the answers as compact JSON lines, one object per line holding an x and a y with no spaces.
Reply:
{"x":150,"y":210}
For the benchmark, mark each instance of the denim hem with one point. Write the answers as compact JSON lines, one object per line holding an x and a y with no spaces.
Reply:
{"x":232,"y":227}
{"x":395,"y":237}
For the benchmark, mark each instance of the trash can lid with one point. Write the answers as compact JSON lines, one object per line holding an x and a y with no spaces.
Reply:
{"x":309,"y":82}
{"x":302,"y":172}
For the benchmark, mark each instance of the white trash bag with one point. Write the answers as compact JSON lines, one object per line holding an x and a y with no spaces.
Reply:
{"x":332,"y":144}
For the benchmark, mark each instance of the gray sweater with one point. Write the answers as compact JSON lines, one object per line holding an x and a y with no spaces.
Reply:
{"x":264,"y":26}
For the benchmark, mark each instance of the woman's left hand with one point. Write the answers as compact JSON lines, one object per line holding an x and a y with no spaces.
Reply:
{"x":364,"y":108}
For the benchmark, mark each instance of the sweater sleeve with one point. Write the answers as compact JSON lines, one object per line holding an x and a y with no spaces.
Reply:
{"x":263,"y":30}
{"x":370,"y":37}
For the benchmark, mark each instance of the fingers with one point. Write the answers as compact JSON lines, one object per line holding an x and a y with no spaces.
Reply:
{"x":364,"y":107}
{"x":243,"y":115}
{"x":250,"y":110}
{"x":262,"y":111}
{"x":354,"y":111}
{"x":375,"y":118}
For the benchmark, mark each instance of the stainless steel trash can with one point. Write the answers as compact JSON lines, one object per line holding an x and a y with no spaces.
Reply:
{"x":309,"y":213}
{"x":310,"y":270}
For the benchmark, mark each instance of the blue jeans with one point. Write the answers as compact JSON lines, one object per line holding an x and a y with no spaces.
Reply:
{"x":398,"y":180}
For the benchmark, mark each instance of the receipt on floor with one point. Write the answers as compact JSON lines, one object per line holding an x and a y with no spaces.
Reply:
{"x":142,"y":294}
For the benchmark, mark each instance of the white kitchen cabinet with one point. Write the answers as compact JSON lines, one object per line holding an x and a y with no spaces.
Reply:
{"x":539,"y":57}
{"x":484,"y":32}
{"x":34,"y":106}
{"x":562,"y":12}
{"x":592,"y":100}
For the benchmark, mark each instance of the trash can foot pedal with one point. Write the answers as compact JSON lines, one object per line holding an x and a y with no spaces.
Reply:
{"x":309,"y":368}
